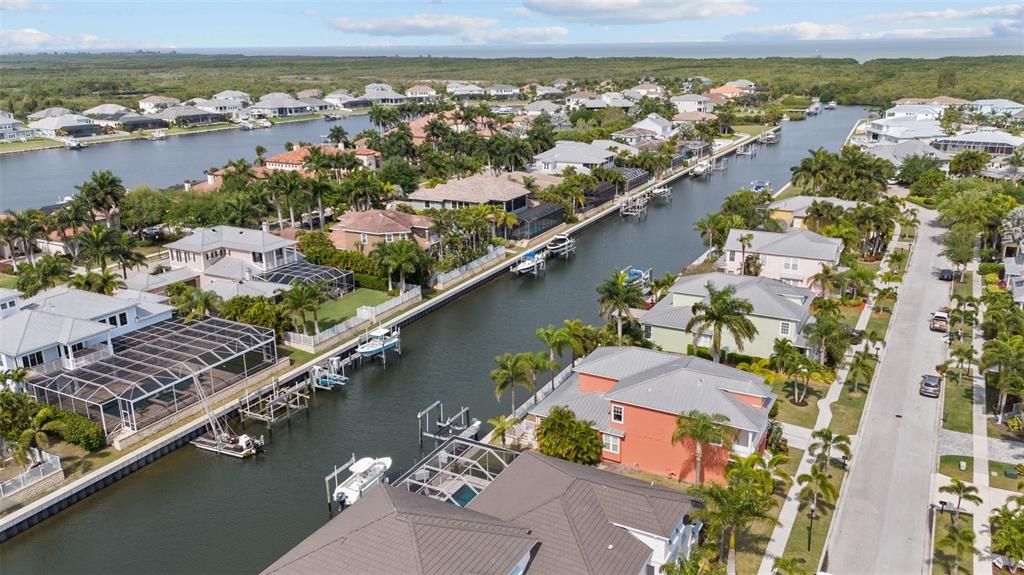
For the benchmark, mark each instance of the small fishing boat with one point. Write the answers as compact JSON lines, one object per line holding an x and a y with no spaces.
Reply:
{"x":331,"y":117}
{"x":225,"y":443}
{"x":367,"y":473}
{"x":73,"y":144}
{"x":531,"y":263}
{"x":662,"y":192}
{"x":379,"y":341}
{"x":157,"y":135}
{"x":831,"y":105}
{"x":263,"y":123}
{"x":768,"y":138}
{"x":700,"y":169}
{"x":761,"y":186}
{"x":331,"y":381}
{"x":245,"y":125}
{"x":561,"y":245}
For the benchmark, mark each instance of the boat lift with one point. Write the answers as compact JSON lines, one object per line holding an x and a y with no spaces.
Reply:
{"x":378,"y":342}
{"x":634,"y":206}
{"x":459,"y":424}
{"x":273,"y":403}
{"x":334,"y":476}
{"x":330,"y":375}
{"x":662,"y":193}
{"x":532,"y":263}
{"x":561,"y":246}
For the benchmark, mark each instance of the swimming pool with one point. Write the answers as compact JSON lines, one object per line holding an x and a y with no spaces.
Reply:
{"x":463,"y":495}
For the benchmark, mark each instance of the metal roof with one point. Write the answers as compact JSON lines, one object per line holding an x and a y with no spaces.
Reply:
{"x":803,"y":244}
{"x":307,"y":273}
{"x":770,"y":298}
{"x":204,"y":239}
{"x":28,"y":331}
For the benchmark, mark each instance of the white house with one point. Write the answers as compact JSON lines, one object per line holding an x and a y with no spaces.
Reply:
{"x":502,"y":91}
{"x":227,"y":107}
{"x":896,"y":130}
{"x":464,"y":90}
{"x":278,"y":105}
{"x":70,"y":124}
{"x":50,"y":113}
{"x":649,"y":90}
{"x":421,"y":93}
{"x":236,"y":95}
{"x":915,"y":111}
{"x":153,"y":104}
{"x":382,"y":94}
{"x":541,"y":107}
{"x":584,"y":157}
{"x":340,"y":98}
{"x":996,"y":107}
{"x":692,"y":103}
{"x":661,"y":127}
{"x":105,"y":110}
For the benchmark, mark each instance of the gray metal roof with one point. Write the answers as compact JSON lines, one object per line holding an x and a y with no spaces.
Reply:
{"x":177,"y":112}
{"x":28,"y":331}
{"x":391,"y":530}
{"x":587,"y":405}
{"x":75,"y":303}
{"x":204,"y":239}
{"x":575,"y":153}
{"x":576,"y":511}
{"x":802,"y":243}
{"x":770,"y":298}
{"x":146,"y":281}
{"x":896,"y":153}
{"x":799,"y":204}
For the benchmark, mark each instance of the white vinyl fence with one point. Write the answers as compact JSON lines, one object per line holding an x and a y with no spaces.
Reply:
{"x":365,"y":314}
{"x":446,"y":278}
{"x":370,"y":313}
{"x":49,"y":466}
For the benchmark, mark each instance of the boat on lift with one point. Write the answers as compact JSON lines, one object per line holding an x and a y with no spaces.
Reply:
{"x":157,"y":135}
{"x":367,"y":473}
{"x":759,"y":186}
{"x":331,"y":117}
{"x":379,"y":341}
{"x":531,"y":263}
{"x":769,"y":137}
{"x":639,"y":277}
{"x":662,"y":192}
{"x":700,"y":169}
{"x":561,"y":245}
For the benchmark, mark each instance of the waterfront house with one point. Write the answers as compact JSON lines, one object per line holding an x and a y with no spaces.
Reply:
{"x":316,"y":104}
{"x":915,"y":111}
{"x":691,"y":118}
{"x":12,"y":129}
{"x":579,"y":155}
{"x":184,"y":116}
{"x":362,"y":231}
{"x":539,"y":107}
{"x":506,"y":191}
{"x":502,"y":91}
{"x":50,"y":113}
{"x":295,"y":159}
{"x":792,"y":211}
{"x":996,"y":107}
{"x":747,"y":86}
{"x":994,"y":142}
{"x":66,"y":328}
{"x":236,"y":95}
{"x":896,"y":130}
{"x":9,"y":300}
{"x":68,"y":125}
{"x":654,"y":123}
{"x":462,"y":90}
{"x":649,"y":90}
{"x":340,"y":98}
{"x":692,"y":103}
{"x":421,"y":93}
{"x":780,"y":311}
{"x":729,"y":92}
{"x":792,"y":257}
{"x":382,"y":94}
{"x":632,"y":396}
{"x":130,"y":121}
{"x":279,"y":105}
{"x":896,"y":153}
{"x":105,"y":110}
{"x":153,"y":104}
{"x":943,"y":101}
{"x":229,"y":108}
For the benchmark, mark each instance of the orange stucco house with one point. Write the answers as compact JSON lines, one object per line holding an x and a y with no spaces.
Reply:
{"x":632,"y":396}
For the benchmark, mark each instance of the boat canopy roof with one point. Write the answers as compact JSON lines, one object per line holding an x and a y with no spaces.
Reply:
{"x":380,"y":332}
{"x":362,"y":465}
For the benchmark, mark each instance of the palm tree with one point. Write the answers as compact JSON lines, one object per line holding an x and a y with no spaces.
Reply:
{"x":721,"y":310}
{"x":789,"y":566}
{"x":34,"y":439}
{"x":512,"y":370}
{"x":104,"y":282}
{"x":661,"y":286}
{"x":745,"y":241}
{"x":9,"y":236}
{"x":97,"y":245}
{"x":305,"y":297}
{"x":860,"y":369}
{"x":827,"y":279}
{"x":104,"y":192}
{"x":290,"y":186}
{"x":824,"y":443}
{"x":814,"y":170}
{"x":959,"y":540}
{"x":963,"y":492}
{"x":125,"y":254}
{"x":1005,"y":352}
{"x":71,"y":217}
{"x":400,"y":256}
{"x":196,"y":303}
{"x":435,"y":130}
{"x":702,"y":429}
{"x":26,"y":227}
{"x":816,"y":486}
{"x":52,"y":270}
{"x":501,"y":425}
{"x":337,"y":135}
{"x":617,"y":295}
{"x":553,"y":339}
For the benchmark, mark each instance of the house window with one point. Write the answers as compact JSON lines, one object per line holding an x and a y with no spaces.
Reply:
{"x":784,"y":328}
{"x":611,"y":443}
{"x":257,"y":257}
{"x":732,"y":256}
{"x":364,"y":239}
{"x":647,"y":331}
{"x":122,"y":318}
{"x":78,"y":346}
{"x":790,"y":264}
{"x":32,"y":359}
{"x":617,"y":413}
{"x":389,"y":237}
{"x":112,"y":320}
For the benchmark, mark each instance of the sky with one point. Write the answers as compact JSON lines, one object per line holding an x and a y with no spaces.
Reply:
{"x":52,"y":25}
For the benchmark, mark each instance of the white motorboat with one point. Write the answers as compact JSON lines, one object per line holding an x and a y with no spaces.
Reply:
{"x":531,"y":263}
{"x":761,"y":186}
{"x":157,"y":135}
{"x":639,"y":277}
{"x":831,"y":105}
{"x":701,"y":169}
{"x":367,"y":473}
{"x":378,"y":341}
{"x":240,"y":446}
{"x":562,"y":245}
{"x":74,"y":144}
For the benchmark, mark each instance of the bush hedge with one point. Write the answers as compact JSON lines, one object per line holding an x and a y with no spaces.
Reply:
{"x":371,"y":282}
{"x":990,"y":268}
{"x":81,"y":431}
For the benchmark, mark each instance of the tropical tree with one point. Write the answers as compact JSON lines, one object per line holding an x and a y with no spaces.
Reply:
{"x":959,"y":540}
{"x":789,"y":566}
{"x":617,"y":295}
{"x":824,"y":443}
{"x":661,"y":286}
{"x":302,"y":298}
{"x":337,"y":135}
{"x":968,"y":163}
{"x":861,"y":369}
{"x":512,"y":370}
{"x":34,"y":439}
{"x":502,"y":424}
{"x":963,"y":492}
{"x":125,"y":254}
{"x":400,"y":256}
{"x":70,"y":218}
{"x":702,"y":429}
{"x":1006,"y":354}
{"x":560,"y":434}
{"x":827,"y":279}
{"x":814,"y":170}
{"x":816,"y":487}
{"x":721,"y":311}
{"x":103,"y":191}
{"x":97,"y":246}
{"x":958,"y":247}
{"x":196,"y":303}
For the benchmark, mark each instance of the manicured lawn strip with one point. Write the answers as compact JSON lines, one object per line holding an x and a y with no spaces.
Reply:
{"x":997,"y":476}
{"x":76,"y":461}
{"x":908,"y":233}
{"x":943,"y":563}
{"x":846,"y":411}
{"x":751,"y":545}
{"x":302,"y":118}
{"x":8,"y":281}
{"x":850,"y":314}
{"x":149,"y":250}
{"x":878,"y":322}
{"x":336,"y":311}
{"x":957,"y":405}
{"x":36,"y":144}
{"x":965,"y":288}
{"x":873,"y":266}
{"x":949,"y":465}
{"x":198,"y":129}
{"x":297,"y":356}
{"x":659,"y":480}
{"x":753,"y":130}
{"x":804,"y":416}
{"x":796,"y":547}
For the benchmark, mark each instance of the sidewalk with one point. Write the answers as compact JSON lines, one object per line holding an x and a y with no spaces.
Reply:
{"x":983,"y":534}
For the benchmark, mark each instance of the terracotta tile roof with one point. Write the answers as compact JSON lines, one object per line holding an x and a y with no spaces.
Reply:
{"x":727,"y":90}
{"x":297,"y":156}
{"x":380,"y":222}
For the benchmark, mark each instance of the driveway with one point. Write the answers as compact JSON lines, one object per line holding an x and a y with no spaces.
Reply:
{"x":882,"y":526}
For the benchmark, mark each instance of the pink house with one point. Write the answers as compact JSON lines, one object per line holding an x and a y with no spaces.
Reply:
{"x":791,"y":257}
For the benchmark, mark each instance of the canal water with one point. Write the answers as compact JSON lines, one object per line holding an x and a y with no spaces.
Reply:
{"x":195,"y":512}
{"x":42,"y":177}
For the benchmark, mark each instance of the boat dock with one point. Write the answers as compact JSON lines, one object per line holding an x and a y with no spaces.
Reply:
{"x":443,"y":429}
{"x":274,"y":402}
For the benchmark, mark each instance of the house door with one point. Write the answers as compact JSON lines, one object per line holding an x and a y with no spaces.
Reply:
{"x":127,"y":415}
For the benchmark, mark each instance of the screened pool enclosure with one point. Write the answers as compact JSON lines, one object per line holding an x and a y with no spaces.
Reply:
{"x":153,"y":372}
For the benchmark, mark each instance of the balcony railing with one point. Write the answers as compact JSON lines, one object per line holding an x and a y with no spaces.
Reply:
{"x":79,"y":358}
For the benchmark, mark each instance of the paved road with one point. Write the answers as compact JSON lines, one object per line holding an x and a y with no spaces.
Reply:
{"x":882,"y":526}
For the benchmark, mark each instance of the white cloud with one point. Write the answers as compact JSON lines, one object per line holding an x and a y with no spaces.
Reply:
{"x":24,"y":38}
{"x":519,"y":11}
{"x":469,"y":29}
{"x":419,"y":25}
{"x":32,"y":40}
{"x":637,"y":11}
{"x":795,"y":31}
{"x":998,"y":11}
{"x":14,"y":5}
{"x":928,"y":33}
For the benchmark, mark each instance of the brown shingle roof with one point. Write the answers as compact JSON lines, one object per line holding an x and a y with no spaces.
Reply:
{"x":381,"y":222}
{"x":391,"y":530}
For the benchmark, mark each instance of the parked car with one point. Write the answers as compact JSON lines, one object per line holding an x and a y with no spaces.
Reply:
{"x":930,"y":385}
{"x":946,"y":275}
{"x":939,"y":322}
{"x":152,"y":232}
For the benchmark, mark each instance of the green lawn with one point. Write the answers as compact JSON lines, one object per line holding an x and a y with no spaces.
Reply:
{"x":302,"y":118}
{"x":751,"y":545}
{"x":297,"y":356}
{"x":8,"y":281}
{"x":846,"y":411}
{"x":943,"y":564}
{"x":850,"y":314}
{"x":965,"y":288}
{"x":796,"y":547}
{"x":949,"y":465}
{"x":197,"y":129}
{"x":957,"y":406}
{"x":908,"y":233}
{"x":752,"y":129}
{"x":336,"y":311}
{"x":148,"y":250}
{"x":792,"y":191}
{"x":879,"y":322}
{"x":804,"y":416}
{"x":903,"y":267}
{"x":33,"y":144}
{"x":873,"y":266}
{"x":997,"y":476}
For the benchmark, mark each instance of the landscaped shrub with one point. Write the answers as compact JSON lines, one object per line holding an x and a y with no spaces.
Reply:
{"x":371,"y":282}
{"x":774,"y":411}
{"x":81,"y":431}
{"x":992,"y":278}
{"x":1015,"y":424}
{"x":987,"y":268}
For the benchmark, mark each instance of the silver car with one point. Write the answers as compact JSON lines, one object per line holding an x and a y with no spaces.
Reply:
{"x":930,"y":385}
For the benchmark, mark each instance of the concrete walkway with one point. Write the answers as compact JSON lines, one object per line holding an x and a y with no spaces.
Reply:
{"x":959,"y":443}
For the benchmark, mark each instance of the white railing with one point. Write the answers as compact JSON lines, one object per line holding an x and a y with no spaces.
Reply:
{"x":544,"y":391}
{"x":369,"y":313}
{"x":493,"y":253}
{"x":49,"y":466}
{"x":79,"y":361}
